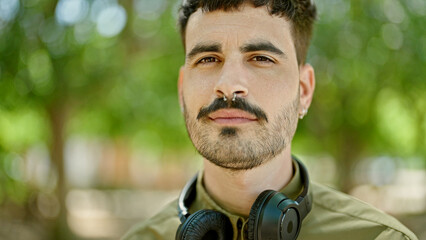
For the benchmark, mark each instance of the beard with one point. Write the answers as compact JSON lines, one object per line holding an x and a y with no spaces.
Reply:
{"x":242,"y":148}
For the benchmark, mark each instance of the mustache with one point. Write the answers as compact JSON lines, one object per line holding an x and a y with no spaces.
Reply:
{"x":239,"y":103}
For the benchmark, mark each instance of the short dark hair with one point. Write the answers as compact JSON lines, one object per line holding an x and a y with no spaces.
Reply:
{"x":301,"y":13}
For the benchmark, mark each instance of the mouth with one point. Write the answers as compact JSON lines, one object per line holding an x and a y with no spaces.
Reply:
{"x":231,"y":117}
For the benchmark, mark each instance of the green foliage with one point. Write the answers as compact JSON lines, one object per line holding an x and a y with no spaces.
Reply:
{"x":369,"y":58}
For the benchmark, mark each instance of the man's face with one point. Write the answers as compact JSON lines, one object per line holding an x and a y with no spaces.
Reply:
{"x":248,"y":56}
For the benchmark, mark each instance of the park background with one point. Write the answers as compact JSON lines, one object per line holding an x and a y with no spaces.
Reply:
{"x":91,"y":135}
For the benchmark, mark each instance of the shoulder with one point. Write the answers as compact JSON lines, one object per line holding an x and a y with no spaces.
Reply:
{"x":161,"y":226}
{"x":337,"y":214}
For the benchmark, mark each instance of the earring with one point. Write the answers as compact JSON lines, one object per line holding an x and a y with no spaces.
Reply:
{"x":303,"y":113}
{"x":235,"y":96}
{"x":224,"y":98}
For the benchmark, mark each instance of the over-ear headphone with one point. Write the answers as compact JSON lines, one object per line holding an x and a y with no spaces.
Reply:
{"x":272,"y":216}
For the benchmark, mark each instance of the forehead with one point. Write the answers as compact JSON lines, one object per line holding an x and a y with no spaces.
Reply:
{"x":238,"y":27}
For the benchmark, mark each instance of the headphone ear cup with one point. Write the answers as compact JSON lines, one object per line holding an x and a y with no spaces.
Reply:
{"x":205,"y":224}
{"x":255,"y":211}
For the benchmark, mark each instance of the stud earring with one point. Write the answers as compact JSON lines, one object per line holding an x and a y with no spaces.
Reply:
{"x":303,"y":113}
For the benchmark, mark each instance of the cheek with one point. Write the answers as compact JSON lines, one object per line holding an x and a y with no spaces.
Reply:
{"x":276,"y":90}
{"x":197,"y":93}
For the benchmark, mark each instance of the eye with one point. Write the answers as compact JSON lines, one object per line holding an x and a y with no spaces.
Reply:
{"x":208,"y":60}
{"x":262,"y":59}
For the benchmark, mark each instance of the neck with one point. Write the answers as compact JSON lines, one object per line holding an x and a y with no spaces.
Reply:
{"x":236,"y":191}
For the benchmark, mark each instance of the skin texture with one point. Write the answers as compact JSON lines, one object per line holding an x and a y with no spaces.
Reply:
{"x":250,"y":53}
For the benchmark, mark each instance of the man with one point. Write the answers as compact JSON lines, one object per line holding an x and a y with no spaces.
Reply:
{"x":242,"y":89}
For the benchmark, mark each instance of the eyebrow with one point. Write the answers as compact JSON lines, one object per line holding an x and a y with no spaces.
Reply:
{"x":261,"y":46}
{"x":204,"y":47}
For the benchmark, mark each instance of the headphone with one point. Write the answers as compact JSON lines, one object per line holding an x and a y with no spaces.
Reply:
{"x":272,"y":216}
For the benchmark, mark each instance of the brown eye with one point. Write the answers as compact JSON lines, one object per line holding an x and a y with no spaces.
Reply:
{"x":261,"y":59}
{"x":208,"y":60}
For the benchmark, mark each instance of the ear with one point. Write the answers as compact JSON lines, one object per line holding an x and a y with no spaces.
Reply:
{"x":180,"y":82}
{"x":307,"y":85}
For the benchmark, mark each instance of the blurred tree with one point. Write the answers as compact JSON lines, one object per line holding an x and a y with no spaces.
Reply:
{"x":103,"y":69}
{"x":79,"y":70}
{"x":370,"y":99}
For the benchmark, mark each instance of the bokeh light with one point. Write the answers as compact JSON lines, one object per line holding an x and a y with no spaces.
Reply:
{"x":111,"y":20}
{"x":148,"y":9}
{"x":8,"y":9}
{"x":69,"y":12}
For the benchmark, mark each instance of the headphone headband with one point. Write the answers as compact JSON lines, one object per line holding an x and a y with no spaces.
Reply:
{"x":303,"y":199}
{"x":186,"y":197}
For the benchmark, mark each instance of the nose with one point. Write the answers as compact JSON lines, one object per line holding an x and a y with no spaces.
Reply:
{"x":232,"y":82}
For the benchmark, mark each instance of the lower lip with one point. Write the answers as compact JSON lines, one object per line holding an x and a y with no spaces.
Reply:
{"x":232,"y":121}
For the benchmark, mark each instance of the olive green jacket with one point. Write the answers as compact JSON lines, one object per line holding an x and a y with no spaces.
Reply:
{"x":334,"y":216}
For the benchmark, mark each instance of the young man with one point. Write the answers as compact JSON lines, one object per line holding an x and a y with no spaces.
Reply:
{"x":242,"y":89}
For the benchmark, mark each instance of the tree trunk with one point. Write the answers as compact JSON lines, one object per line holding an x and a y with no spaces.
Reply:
{"x":349,"y":153}
{"x":57,"y":117}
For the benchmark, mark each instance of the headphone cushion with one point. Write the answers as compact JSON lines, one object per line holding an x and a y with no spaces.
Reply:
{"x":254,"y":212}
{"x":205,"y":224}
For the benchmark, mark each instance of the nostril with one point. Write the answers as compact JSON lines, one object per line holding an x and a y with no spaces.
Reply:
{"x":232,"y":95}
{"x":221,"y":95}
{"x":239,"y":94}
